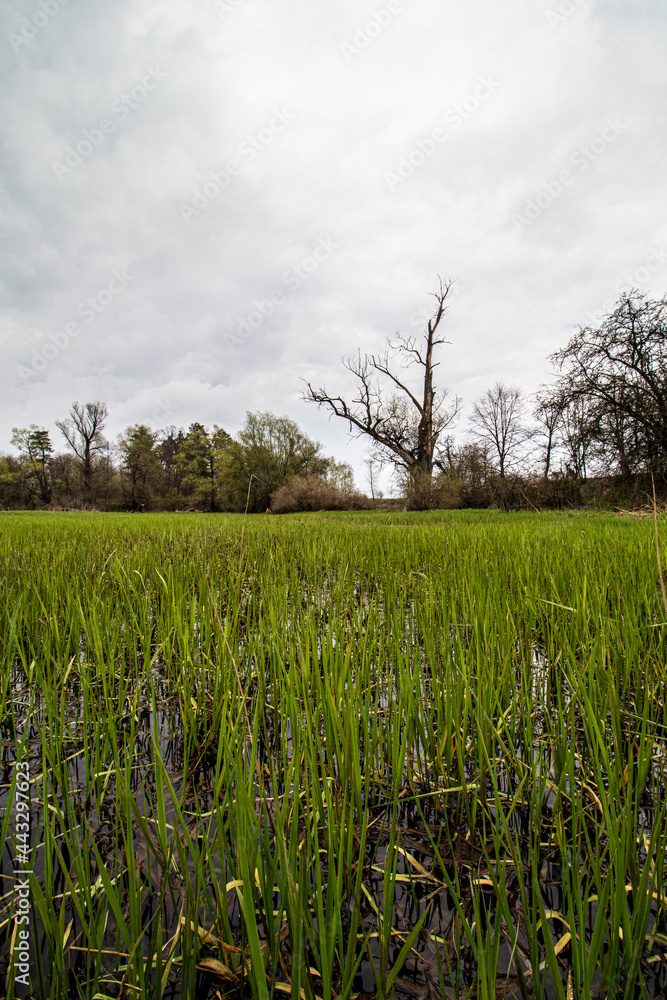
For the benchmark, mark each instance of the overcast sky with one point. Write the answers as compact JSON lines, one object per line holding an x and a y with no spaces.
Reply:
{"x":204,"y":200}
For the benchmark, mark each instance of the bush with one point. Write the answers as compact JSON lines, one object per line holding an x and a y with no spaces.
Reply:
{"x":447,"y":491}
{"x":313,"y":493}
{"x":440,"y":492}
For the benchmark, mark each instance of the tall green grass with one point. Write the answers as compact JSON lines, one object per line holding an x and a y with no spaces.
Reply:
{"x":400,"y":752}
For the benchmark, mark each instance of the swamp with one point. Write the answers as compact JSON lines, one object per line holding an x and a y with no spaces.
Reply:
{"x":333,"y":755}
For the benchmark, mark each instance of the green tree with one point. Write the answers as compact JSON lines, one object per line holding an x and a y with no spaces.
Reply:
{"x":170,"y":441}
{"x":340,"y":474}
{"x":12,"y":495}
{"x":268,"y":452}
{"x":140,"y":467}
{"x":36,"y":450}
{"x":199,"y":459}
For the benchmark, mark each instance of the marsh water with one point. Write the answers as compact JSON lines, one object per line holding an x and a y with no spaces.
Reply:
{"x":429,"y":762}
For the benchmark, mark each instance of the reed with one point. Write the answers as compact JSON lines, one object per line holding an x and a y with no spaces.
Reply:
{"x":406,"y":753}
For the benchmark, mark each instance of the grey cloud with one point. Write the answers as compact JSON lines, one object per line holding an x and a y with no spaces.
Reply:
{"x":162,"y":339}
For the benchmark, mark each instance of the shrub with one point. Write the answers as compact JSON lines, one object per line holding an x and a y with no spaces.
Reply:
{"x":313,"y":493}
{"x":440,"y":492}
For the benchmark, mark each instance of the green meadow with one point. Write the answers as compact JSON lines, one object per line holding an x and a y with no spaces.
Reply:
{"x":332,"y":755}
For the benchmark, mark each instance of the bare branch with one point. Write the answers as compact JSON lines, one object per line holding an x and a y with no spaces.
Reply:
{"x":405,"y":425}
{"x":497,"y":417}
{"x":619,"y":371}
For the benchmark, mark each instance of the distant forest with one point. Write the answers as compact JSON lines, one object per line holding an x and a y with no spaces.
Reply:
{"x":171,"y":469}
{"x":598,"y":433}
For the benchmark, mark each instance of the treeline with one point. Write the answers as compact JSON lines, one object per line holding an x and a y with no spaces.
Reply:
{"x":597,"y":432}
{"x":171,"y":469}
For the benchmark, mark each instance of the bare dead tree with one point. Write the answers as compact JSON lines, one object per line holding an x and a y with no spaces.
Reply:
{"x":578,"y":435}
{"x":83,"y":432}
{"x":404,"y":426}
{"x":549,"y":414}
{"x":371,"y":464}
{"x":497,"y":419}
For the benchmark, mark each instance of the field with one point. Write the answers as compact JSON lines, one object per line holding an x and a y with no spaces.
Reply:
{"x":411,"y":755}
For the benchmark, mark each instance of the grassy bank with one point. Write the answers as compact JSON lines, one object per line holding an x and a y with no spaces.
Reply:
{"x":420,"y":754}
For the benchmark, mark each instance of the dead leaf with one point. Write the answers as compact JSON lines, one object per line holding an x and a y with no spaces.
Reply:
{"x":217,"y":968}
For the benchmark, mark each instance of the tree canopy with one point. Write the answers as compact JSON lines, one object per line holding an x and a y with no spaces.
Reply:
{"x":200,"y":468}
{"x":613,"y":383}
